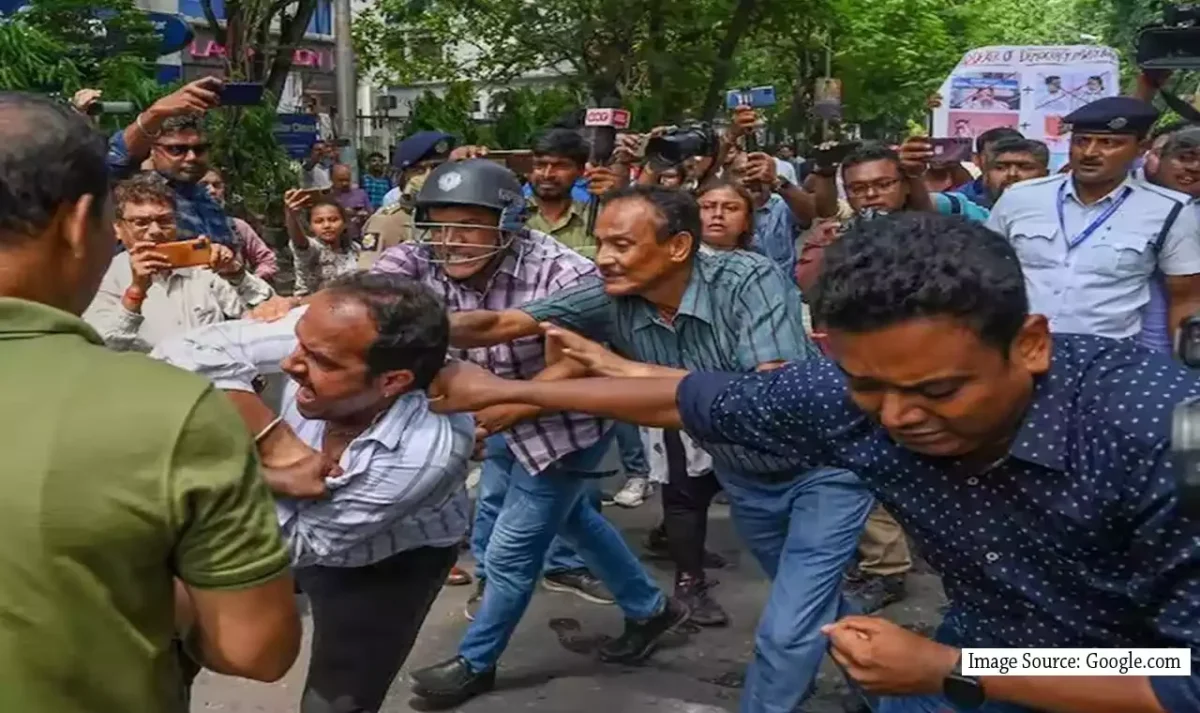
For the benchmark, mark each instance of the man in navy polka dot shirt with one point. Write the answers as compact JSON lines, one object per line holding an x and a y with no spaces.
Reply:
{"x":1034,"y":471}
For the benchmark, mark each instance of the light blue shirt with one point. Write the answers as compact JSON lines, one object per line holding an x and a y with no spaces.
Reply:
{"x":1103,"y":285}
{"x":775,"y":234}
{"x":403,"y":479}
{"x":954,"y":203}
{"x":392,"y":197}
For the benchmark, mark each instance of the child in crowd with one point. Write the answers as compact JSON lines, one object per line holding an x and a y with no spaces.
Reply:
{"x":324,"y":251}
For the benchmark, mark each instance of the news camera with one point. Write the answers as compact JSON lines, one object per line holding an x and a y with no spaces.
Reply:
{"x":1185,"y":424}
{"x":678,"y":144}
{"x":1172,"y":44}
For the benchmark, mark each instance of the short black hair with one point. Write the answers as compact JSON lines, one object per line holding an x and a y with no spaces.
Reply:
{"x":566,"y":143}
{"x":50,"y":156}
{"x":375,"y":154}
{"x":677,"y":209}
{"x":414,"y":331}
{"x":1035,"y":148}
{"x":991,"y":136}
{"x":868,"y":153}
{"x":1053,"y":78}
{"x":180,"y":123}
{"x":915,"y":265}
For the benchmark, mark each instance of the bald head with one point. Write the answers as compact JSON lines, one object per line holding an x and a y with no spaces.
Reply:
{"x":341,"y":177}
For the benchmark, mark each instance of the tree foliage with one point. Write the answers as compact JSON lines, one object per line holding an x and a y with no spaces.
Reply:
{"x":671,"y":59}
{"x":60,"y":46}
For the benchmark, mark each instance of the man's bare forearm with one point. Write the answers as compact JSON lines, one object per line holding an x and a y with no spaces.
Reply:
{"x":280,"y":450}
{"x":645,"y":401}
{"x":1089,"y":694}
{"x":485,"y":328}
{"x":802,"y":203}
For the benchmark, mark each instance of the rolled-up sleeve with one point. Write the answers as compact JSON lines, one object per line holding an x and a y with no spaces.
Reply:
{"x":585,"y":309}
{"x":120,"y":164}
{"x":117,"y":326}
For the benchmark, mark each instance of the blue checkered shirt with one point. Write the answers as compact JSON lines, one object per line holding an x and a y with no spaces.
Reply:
{"x":376,"y":188}
{"x":196,"y":213}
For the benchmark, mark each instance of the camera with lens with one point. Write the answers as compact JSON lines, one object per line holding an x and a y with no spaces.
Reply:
{"x":678,"y":144}
{"x":1172,"y":44}
{"x":1185,"y":425}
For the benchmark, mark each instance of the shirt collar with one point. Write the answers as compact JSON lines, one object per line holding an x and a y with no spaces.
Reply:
{"x":769,"y":206}
{"x":1043,"y":434}
{"x":1069,"y":190}
{"x":696,"y":301}
{"x":390,"y":425}
{"x":573,"y":211}
{"x":22,"y":319}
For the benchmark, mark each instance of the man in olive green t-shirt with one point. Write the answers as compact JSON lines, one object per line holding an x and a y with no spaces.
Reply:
{"x":122,"y":476}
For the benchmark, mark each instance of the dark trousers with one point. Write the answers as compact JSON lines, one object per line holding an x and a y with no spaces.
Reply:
{"x":685,"y":501}
{"x":365,"y":621}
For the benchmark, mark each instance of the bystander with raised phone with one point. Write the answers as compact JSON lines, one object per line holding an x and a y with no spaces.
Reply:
{"x":171,"y":135}
{"x":162,"y":286}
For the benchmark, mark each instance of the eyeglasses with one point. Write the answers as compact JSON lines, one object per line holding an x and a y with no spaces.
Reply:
{"x":181,"y":150}
{"x":883,"y":185}
{"x":165,"y":223}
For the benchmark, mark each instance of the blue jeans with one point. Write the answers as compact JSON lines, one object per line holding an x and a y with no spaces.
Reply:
{"x":536,"y":508}
{"x":633,"y":453}
{"x":489,"y":498}
{"x":803,"y":532}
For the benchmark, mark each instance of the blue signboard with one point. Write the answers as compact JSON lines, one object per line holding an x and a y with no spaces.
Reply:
{"x":173,"y":31}
{"x":296,"y":133}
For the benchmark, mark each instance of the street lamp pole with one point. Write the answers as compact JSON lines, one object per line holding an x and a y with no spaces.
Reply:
{"x":347,"y":89}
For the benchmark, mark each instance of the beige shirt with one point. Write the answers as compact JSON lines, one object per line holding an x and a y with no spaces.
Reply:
{"x":176,"y":302}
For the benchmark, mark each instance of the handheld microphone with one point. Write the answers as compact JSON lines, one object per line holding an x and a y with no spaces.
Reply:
{"x":602,"y":125}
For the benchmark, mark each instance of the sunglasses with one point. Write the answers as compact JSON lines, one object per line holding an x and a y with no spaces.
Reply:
{"x":180,"y":150}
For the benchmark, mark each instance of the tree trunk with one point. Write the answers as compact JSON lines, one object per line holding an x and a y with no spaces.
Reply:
{"x":291,"y":33}
{"x":723,"y":65}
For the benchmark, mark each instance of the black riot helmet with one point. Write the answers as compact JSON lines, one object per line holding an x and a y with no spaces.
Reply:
{"x":477,"y":183}
{"x":474,"y":182}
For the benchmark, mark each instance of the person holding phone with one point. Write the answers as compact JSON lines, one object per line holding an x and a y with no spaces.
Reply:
{"x":160,"y":286}
{"x":171,"y":135}
{"x":318,"y":233}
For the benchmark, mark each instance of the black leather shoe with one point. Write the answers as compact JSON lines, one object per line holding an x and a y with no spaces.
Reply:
{"x":641,"y":638}
{"x":696,"y":593}
{"x":451,"y":683}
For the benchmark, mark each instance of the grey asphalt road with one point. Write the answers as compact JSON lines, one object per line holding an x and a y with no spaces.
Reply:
{"x":549,"y":670}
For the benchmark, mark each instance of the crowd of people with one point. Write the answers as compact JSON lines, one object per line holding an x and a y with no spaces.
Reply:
{"x":856,"y":350}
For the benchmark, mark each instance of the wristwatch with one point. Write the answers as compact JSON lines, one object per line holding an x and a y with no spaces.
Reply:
{"x":965,"y":692}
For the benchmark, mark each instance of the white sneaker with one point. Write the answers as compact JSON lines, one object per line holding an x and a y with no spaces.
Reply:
{"x":634,"y":493}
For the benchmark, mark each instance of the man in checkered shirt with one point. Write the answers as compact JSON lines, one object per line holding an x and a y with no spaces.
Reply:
{"x":473,"y":250}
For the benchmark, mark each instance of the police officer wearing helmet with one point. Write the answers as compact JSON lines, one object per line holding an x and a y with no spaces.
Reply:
{"x":472,"y":248}
{"x":1095,"y":243}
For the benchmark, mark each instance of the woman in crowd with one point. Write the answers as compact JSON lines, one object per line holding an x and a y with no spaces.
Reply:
{"x":258,"y":256}
{"x":726,"y":216}
{"x":325,"y":253}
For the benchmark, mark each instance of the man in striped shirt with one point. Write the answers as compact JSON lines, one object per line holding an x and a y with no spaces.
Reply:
{"x":661,"y":302}
{"x":371,"y":494}
{"x":473,"y":250}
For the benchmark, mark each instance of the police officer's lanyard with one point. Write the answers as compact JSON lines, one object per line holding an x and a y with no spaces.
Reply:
{"x":1095,"y":224}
